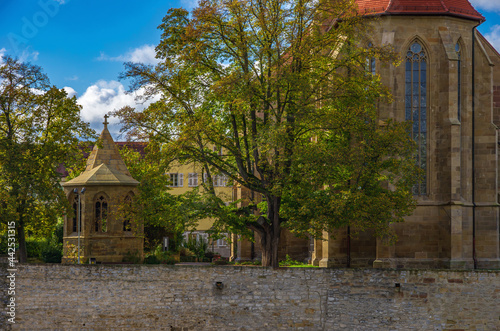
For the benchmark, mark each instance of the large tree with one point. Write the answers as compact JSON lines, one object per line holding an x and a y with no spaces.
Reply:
{"x":161,"y":212}
{"x":282,"y":87}
{"x":40,"y":127}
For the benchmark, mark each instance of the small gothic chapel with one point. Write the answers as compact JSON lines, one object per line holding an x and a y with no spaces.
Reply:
{"x":97,"y":193}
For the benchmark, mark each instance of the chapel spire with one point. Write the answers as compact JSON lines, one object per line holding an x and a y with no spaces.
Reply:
{"x":106,"y":152}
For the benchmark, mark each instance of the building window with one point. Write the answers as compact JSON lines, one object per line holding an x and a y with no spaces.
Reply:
{"x":128,"y":206}
{"x":75,"y":214}
{"x":192,"y":179}
{"x":459,"y":82}
{"x":220,"y":180}
{"x":101,"y":214}
{"x":416,"y":107}
{"x":176,"y":180}
{"x":370,"y":62}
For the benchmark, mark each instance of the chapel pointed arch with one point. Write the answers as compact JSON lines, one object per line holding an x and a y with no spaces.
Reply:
{"x":128,"y":202}
{"x":72,"y":221}
{"x":100,"y":212}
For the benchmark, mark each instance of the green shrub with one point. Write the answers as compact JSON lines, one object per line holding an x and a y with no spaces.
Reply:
{"x":198,"y":247}
{"x":34,"y":246}
{"x":168,"y":259}
{"x":183,"y":251}
{"x":3,"y":243}
{"x":51,"y":254}
{"x":159,"y":256}
{"x":289,"y":262}
{"x":58,"y":233}
{"x":151,"y":259}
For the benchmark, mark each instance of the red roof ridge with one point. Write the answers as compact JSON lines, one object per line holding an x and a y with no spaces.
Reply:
{"x":459,"y":8}
{"x":388,"y":5}
{"x":444,"y":5}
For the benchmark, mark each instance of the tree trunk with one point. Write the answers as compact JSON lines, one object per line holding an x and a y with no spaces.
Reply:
{"x":267,"y":252}
{"x":23,"y":254}
{"x":271,"y":238}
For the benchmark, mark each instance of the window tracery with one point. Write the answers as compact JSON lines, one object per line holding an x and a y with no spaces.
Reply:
{"x":416,"y":106}
{"x":127,"y":221}
{"x":101,"y":213}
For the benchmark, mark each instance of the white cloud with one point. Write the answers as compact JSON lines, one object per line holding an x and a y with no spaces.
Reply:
{"x":106,"y":96}
{"x":2,"y":53}
{"x":27,"y":56}
{"x":71,"y":92}
{"x":75,"y":77}
{"x":494,"y":36}
{"x":189,"y":4}
{"x":144,"y":54}
{"x":489,"y":5}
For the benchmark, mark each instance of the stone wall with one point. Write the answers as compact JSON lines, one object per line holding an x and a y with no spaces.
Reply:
{"x":158,"y":297}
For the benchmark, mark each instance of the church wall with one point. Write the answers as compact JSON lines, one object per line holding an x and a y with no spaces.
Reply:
{"x":440,"y":230}
{"x":145,"y":297}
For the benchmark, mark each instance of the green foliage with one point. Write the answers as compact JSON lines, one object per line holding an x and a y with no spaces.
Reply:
{"x":289,"y":262}
{"x":51,"y":253}
{"x":132,"y":257}
{"x":282,"y":87}
{"x":47,"y":249}
{"x":151,"y":259}
{"x":40,"y":130}
{"x":158,"y":256}
{"x":163,"y":214}
{"x":34,"y":246}
{"x":197,"y":246}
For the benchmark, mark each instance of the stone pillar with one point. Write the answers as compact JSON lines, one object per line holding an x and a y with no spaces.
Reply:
{"x":385,"y":255}
{"x":317,"y":254}
{"x":334,"y":250}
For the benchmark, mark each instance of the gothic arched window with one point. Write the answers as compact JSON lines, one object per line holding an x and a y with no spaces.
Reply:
{"x":416,"y":106}
{"x":75,"y":212}
{"x":101,"y":213}
{"x":128,"y":205}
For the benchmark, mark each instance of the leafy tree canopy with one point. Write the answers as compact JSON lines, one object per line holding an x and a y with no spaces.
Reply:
{"x":282,"y":87}
{"x":40,"y":128}
{"x":162,"y":213}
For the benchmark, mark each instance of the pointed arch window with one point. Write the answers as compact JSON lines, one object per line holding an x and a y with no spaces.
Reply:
{"x":416,"y":106}
{"x":75,"y":214}
{"x":101,"y":214}
{"x":127,"y":222}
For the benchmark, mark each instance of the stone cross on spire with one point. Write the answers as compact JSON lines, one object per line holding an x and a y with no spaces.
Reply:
{"x":105,"y":121}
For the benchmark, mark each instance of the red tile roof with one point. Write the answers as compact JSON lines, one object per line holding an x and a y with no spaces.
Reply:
{"x":460,"y":8}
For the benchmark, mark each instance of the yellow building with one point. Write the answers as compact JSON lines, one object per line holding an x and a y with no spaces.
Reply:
{"x":185,"y":177}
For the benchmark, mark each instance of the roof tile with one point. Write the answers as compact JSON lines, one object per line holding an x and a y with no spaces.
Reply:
{"x":461,"y":8}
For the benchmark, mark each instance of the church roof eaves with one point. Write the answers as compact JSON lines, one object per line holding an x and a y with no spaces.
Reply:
{"x":102,"y":175}
{"x":458,"y":8}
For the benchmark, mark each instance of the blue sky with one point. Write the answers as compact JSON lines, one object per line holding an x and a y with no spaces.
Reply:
{"x":82,"y":44}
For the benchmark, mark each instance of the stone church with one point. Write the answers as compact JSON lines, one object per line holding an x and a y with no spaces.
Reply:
{"x":448,"y":84}
{"x":104,"y":235}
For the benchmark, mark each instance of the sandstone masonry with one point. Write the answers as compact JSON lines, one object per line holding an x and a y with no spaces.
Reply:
{"x":147,"y":297}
